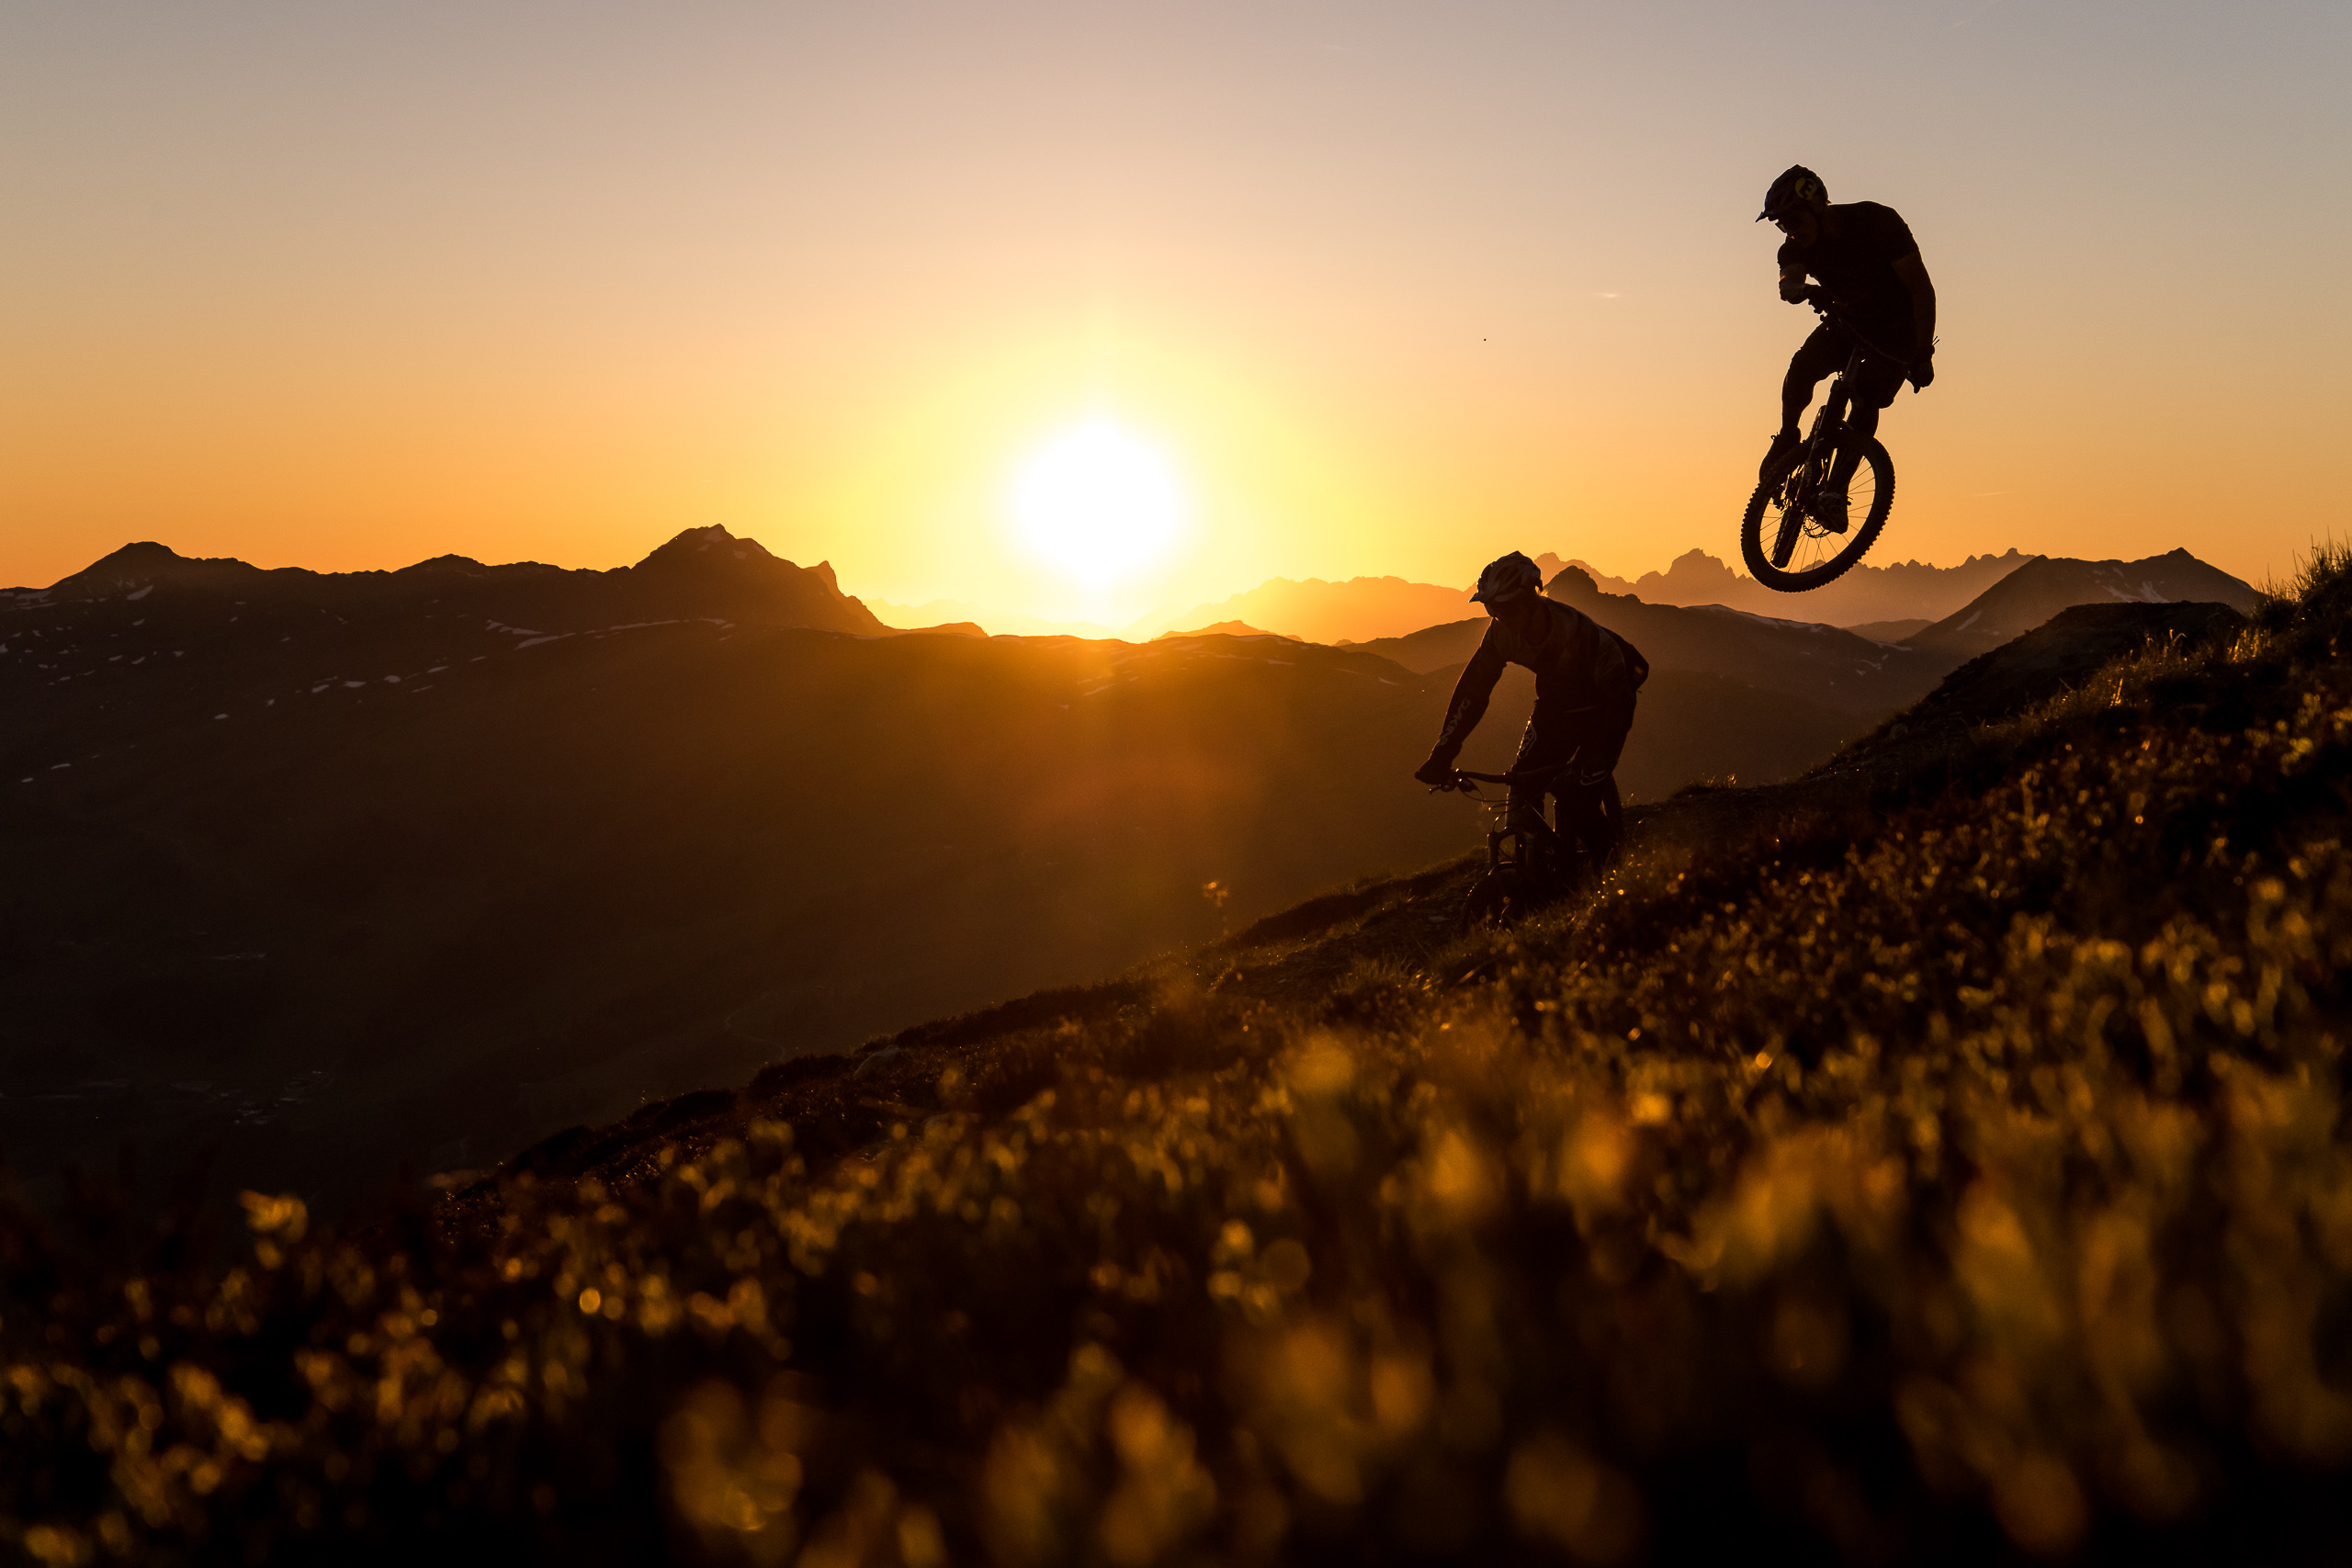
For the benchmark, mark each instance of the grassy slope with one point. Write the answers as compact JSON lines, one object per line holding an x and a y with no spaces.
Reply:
{"x":1928,"y":1164}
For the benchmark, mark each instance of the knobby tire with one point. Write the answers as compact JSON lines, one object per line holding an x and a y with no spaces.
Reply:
{"x":1786,"y":521}
{"x":1497,"y":899}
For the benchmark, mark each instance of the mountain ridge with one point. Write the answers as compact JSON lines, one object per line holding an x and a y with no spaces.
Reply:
{"x":742,"y":580}
{"x":1868,"y":593}
{"x":2046,"y":585}
{"x":1367,"y":609}
{"x":1799,"y":660}
{"x":1315,"y":609}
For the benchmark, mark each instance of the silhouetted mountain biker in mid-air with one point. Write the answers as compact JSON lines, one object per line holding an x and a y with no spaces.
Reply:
{"x":1586,"y":676}
{"x":1866,"y":265}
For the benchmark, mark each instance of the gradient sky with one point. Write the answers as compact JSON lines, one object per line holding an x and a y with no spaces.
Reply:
{"x":1395,"y":287}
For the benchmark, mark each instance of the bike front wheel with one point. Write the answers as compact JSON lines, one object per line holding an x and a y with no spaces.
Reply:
{"x":1787,"y":548}
{"x":1497,"y":899}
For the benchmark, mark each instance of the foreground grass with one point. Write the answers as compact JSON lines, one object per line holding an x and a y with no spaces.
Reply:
{"x":1949,"y":1170}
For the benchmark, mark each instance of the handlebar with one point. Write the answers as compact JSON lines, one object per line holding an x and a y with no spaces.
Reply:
{"x":1526,"y":776}
{"x":1466,"y":781}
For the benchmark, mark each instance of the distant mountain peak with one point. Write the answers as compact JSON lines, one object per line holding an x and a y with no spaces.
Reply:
{"x":1223,"y":629}
{"x":2046,"y":585}
{"x":713,"y":541}
{"x":1566,"y":582}
{"x":140,"y":552}
{"x":144,"y":561}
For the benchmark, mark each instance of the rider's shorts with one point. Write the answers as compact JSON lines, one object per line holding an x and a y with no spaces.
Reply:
{"x":1876,"y":377}
{"x":1594,"y":737}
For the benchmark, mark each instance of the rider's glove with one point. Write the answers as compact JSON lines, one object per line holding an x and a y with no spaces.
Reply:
{"x":1437,"y":772}
{"x":1923,"y":372}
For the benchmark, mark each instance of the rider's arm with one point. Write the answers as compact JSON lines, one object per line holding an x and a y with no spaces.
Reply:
{"x":1470,"y":695}
{"x":1791,"y":273}
{"x":1914,"y":273}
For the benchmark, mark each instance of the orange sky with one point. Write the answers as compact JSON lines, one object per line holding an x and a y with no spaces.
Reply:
{"x":1395,"y":287}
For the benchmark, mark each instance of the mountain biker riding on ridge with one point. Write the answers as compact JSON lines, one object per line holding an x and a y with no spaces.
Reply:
{"x":1586,"y":676}
{"x":1866,"y":264}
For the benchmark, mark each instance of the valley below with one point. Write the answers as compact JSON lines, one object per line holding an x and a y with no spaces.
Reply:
{"x":322,"y":883}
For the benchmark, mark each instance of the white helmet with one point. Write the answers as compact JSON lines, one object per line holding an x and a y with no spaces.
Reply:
{"x":1507,"y":579}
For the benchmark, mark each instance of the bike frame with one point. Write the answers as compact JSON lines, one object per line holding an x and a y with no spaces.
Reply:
{"x":1820,"y":452}
{"x":1506,"y":842}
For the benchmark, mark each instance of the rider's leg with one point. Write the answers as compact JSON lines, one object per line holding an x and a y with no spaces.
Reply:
{"x":1591,"y":810}
{"x":1874,"y":384}
{"x":1585,"y":820}
{"x":1816,"y":358}
{"x":1612,"y":818}
{"x":1548,"y":739}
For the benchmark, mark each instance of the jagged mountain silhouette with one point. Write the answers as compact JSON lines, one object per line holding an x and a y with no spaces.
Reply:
{"x":701,"y":572}
{"x":2046,"y":585}
{"x":1866,"y":596}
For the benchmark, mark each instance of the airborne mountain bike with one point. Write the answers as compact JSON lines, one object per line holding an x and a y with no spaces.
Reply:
{"x":1527,"y":865}
{"x":1786,"y":545}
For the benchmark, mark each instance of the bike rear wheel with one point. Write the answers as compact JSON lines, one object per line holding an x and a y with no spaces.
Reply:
{"x":1787,"y":549}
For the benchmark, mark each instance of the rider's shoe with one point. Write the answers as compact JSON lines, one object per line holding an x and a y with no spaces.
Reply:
{"x":1829,"y":509}
{"x":1780,"y":458}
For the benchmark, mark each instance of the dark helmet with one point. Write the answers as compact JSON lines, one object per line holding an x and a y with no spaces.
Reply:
{"x":1507,"y":579}
{"x":1799,"y":186}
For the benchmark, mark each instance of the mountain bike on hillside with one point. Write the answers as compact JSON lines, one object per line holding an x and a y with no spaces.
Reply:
{"x":1529,"y":862}
{"x":1787,"y":545}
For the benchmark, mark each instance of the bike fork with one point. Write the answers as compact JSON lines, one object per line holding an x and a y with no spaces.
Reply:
{"x":1820,"y":447}
{"x":1833,"y":410}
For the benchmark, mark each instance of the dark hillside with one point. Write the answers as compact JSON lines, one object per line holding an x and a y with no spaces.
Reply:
{"x":1939,"y":1159}
{"x":333,"y":873}
{"x":489,"y":884}
{"x":2060,"y":656}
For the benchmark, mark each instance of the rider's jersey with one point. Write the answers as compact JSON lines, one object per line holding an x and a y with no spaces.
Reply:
{"x":1857,"y":268}
{"x":1578,"y":663}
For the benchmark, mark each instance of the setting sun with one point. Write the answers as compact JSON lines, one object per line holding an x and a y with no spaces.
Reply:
{"x":1096,"y":502}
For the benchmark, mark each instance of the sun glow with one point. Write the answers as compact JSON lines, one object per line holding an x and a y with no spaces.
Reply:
{"x":1097,"y":503}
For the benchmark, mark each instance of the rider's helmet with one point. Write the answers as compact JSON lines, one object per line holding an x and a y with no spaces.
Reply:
{"x":1797,"y":186}
{"x":1507,"y":579}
